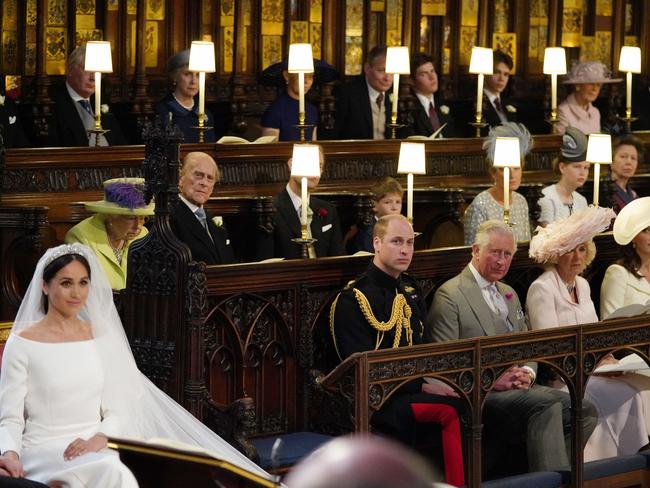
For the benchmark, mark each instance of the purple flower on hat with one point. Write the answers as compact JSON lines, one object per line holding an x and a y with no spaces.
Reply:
{"x":125,"y":195}
{"x":508,"y":296}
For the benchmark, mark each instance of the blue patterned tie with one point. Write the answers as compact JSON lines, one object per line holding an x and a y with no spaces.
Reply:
{"x":86,"y":105}
{"x":200,"y":214}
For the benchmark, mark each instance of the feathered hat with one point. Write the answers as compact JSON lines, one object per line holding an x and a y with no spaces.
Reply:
{"x":122,"y":196}
{"x":564,"y":235}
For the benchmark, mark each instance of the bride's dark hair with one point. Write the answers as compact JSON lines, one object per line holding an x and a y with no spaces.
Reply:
{"x":55,"y":266}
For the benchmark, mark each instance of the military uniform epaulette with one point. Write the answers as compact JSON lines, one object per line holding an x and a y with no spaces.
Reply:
{"x":354,"y":283}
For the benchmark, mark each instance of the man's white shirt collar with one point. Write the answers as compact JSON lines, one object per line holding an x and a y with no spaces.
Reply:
{"x":193,"y":208}
{"x":482,"y":282}
{"x":425,"y":101}
{"x":296,"y":199}
{"x":73,"y":94}
{"x":373,"y":94}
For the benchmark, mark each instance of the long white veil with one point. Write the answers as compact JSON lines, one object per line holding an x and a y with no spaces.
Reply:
{"x":145,"y":411}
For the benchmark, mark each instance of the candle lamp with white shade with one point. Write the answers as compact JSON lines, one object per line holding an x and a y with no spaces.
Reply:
{"x":412,"y":161}
{"x":506,"y":156}
{"x":301,"y":61}
{"x":481,"y":63}
{"x":629,"y":62}
{"x":397,"y":63}
{"x":305,"y":163}
{"x":99,"y":60}
{"x":202,"y":61}
{"x":599,"y":151}
{"x":554,"y":64}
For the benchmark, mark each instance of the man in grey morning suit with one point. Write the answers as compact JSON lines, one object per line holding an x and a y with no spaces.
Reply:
{"x":475,"y":304}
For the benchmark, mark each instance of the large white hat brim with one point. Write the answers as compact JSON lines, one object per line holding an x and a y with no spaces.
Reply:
{"x":631,"y":220}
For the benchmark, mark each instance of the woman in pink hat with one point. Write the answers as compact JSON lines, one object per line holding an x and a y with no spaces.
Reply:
{"x":577,"y":109}
{"x":561,"y":297}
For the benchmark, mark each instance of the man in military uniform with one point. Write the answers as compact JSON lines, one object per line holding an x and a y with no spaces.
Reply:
{"x":385,"y":308}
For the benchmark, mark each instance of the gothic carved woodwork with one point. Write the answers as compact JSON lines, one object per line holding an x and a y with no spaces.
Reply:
{"x":20,"y":248}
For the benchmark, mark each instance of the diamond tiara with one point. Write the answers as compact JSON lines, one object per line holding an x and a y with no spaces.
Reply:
{"x":62,"y":250}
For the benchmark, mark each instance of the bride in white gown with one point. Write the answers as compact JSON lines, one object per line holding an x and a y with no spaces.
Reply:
{"x":69,"y":380}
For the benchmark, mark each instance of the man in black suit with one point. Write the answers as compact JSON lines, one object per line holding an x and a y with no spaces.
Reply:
{"x":496,"y":108}
{"x":208,"y":240}
{"x":428,"y":115}
{"x":73,"y":112}
{"x":11,"y":128}
{"x":361,"y":111}
{"x":324,"y":227}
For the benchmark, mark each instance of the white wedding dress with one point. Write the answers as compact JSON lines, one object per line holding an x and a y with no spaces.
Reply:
{"x":53,"y":393}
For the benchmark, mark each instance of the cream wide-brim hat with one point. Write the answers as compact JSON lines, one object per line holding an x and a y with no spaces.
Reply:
{"x":106,"y":206}
{"x":631,"y":220}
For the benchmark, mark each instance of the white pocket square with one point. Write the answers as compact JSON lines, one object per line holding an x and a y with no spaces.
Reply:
{"x":227,"y":242}
{"x":12,"y":119}
{"x":326,"y":227}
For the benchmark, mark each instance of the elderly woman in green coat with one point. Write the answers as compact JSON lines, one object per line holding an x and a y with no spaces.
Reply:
{"x":118,"y":221}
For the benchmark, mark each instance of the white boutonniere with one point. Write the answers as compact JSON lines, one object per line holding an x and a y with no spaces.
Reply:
{"x":2,"y":100}
{"x":444,"y":109}
{"x":511,"y":108}
{"x":390,"y":97}
{"x":103,"y":108}
{"x":218,"y":220}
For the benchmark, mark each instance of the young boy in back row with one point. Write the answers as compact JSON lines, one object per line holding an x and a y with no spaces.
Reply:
{"x":387,"y":196}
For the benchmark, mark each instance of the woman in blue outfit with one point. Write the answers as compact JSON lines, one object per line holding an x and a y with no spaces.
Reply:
{"x":180,"y":104}
{"x":281,"y":117}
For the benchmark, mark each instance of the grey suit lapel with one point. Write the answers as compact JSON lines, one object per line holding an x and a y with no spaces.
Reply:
{"x":481,"y":310}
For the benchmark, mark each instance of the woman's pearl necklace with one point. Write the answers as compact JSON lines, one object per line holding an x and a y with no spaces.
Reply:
{"x":182,"y":104}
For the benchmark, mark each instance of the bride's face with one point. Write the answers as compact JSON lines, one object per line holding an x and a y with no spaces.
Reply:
{"x":67,"y":291}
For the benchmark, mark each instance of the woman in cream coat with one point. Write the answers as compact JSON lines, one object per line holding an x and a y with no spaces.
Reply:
{"x":626,"y":282}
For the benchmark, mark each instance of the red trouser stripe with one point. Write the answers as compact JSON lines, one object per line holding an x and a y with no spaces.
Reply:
{"x":452,"y":450}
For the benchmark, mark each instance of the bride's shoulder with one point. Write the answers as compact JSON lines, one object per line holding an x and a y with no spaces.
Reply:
{"x":35,"y":332}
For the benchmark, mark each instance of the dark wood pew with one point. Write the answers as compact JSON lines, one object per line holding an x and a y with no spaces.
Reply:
{"x":20,"y":248}
{"x":365,"y":381}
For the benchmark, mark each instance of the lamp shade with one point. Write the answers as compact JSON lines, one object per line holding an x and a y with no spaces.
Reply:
{"x":411,"y":158}
{"x":301,"y":59}
{"x":202,"y":57}
{"x":506,"y":152}
{"x":599,"y":149}
{"x":397,"y":60}
{"x":630,"y":60}
{"x":554,"y":61}
{"x":305,"y":160}
{"x":481,"y":61}
{"x":98,"y":57}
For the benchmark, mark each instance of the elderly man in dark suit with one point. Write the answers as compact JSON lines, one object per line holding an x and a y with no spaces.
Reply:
{"x":361,"y":111}
{"x":73,"y":113}
{"x":475,"y":304}
{"x":324,"y":223}
{"x":208,"y":240}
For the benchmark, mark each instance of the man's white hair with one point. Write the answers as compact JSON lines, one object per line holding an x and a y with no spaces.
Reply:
{"x":489,"y":227}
